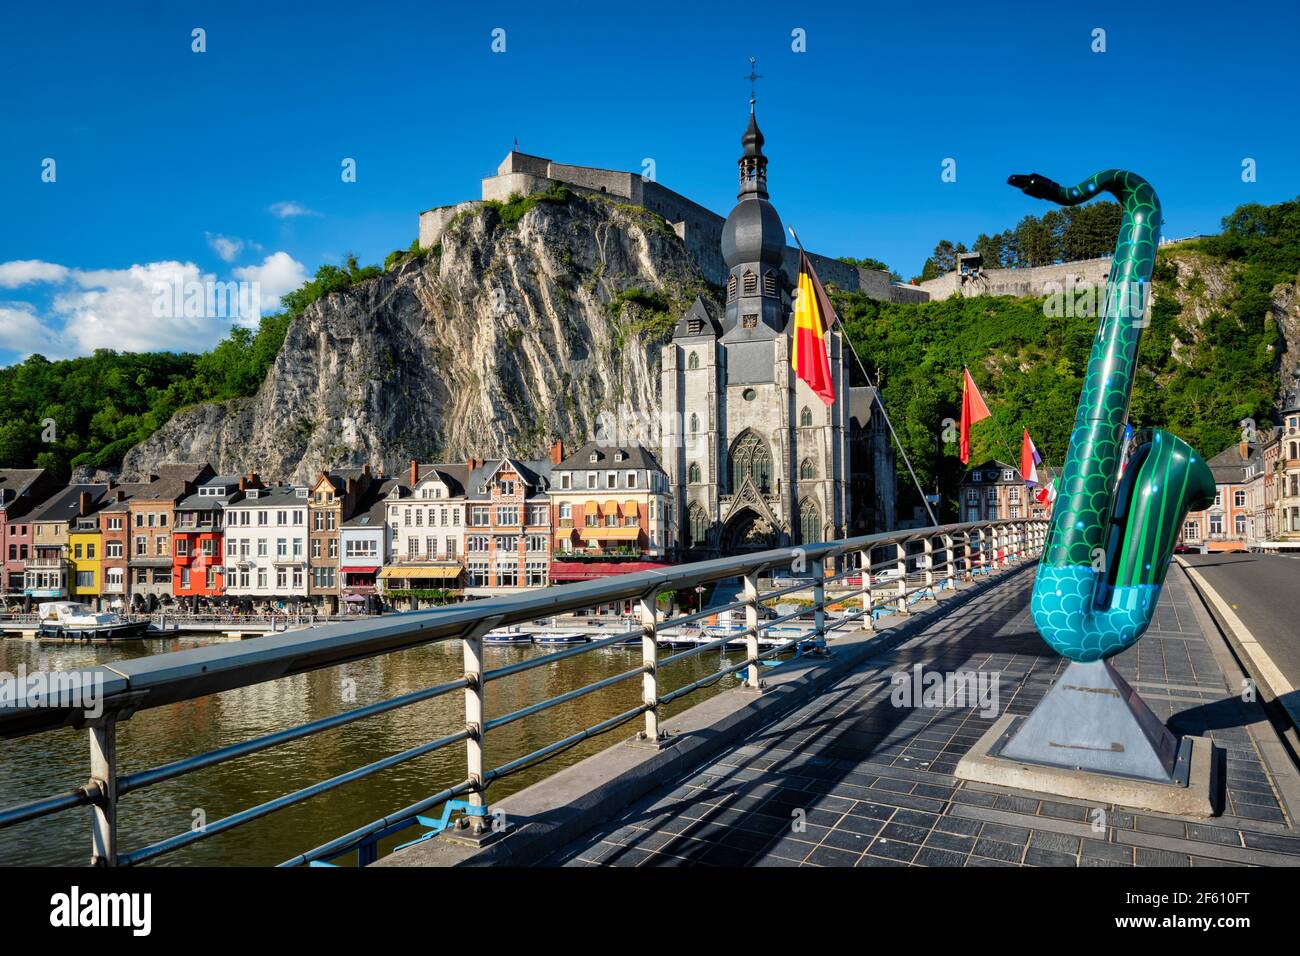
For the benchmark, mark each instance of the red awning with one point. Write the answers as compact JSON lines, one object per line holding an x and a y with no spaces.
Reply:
{"x":350,"y":570}
{"x":587,"y":570}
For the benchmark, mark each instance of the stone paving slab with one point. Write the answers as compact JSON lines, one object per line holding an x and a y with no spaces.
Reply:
{"x":849,"y":779}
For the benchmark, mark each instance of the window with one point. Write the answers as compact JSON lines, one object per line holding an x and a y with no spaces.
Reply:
{"x":1239,"y":498}
{"x":592,"y":479}
{"x":536,"y":542}
{"x":476,"y":542}
{"x":507,"y":515}
{"x":479,"y":516}
{"x":477,"y":574}
{"x":1216,"y":524}
{"x":810,"y":526}
{"x":507,"y":574}
{"x":731,"y":288}
{"x":693,"y":361}
{"x":630,"y":478}
{"x":805,"y":417}
{"x":750,"y":459}
{"x":750,"y":284}
{"x":1239,"y":524}
{"x":806,"y":470}
{"x":537,"y":515}
{"x":769,"y":284}
{"x":1191,"y":531}
{"x":695,"y":423}
{"x":693,"y":473}
{"x":698,"y":527}
{"x":535,"y":574}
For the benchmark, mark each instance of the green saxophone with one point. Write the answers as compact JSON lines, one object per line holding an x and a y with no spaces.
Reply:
{"x":1111,"y":538}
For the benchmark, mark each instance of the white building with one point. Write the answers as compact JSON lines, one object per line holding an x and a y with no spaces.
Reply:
{"x":426,"y":529}
{"x":266,"y":543}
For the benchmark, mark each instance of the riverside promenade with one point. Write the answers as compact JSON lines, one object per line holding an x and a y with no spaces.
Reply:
{"x":850,"y":779}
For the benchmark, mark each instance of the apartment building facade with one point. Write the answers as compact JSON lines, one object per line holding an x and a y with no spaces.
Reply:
{"x":21,"y":491}
{"x":266,"y":544}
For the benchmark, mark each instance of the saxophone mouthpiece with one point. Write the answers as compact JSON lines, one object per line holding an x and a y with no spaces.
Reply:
{"x":1035,"y":184}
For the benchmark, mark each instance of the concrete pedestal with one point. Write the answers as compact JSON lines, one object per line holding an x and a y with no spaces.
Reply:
{"x":1092,"y":737}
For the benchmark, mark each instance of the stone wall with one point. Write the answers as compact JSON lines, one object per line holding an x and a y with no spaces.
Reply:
{"x":1022,"y":283}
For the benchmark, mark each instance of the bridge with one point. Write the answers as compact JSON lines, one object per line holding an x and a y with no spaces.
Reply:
{"x":812,"y":760}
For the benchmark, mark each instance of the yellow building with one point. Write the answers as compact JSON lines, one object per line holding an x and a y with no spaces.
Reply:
{"x":86,"y":550}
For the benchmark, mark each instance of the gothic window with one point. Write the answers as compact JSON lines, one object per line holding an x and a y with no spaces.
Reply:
{"x":698,"y":527}
{"x":769,"y":284}
{"x":805,"y":417}
{"x":810,"y":524}
{"x":731,"y":287}
{"x":693,"y":360}
{"x":806,"y":469}
{"x":693,"y":474}
{"x":695,"y":423}
{"x":751,"y":283}
{"x":750,"y":458}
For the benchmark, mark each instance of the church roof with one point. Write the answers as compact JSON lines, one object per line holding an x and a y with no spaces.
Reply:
{"x":697,"y":322}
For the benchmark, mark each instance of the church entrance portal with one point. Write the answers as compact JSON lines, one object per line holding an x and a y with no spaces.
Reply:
{"x":747,"y":531}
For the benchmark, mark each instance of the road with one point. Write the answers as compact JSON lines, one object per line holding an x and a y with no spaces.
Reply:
{"x":1263,"y":591}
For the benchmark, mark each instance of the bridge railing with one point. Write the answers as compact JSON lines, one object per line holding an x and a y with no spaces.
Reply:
{"x":98,"y":699}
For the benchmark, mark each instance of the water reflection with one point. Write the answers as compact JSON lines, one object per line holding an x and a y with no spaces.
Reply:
{"x":40,"y":766}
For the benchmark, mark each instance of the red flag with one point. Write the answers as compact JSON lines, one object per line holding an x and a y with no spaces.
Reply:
{"x":973,"y":410}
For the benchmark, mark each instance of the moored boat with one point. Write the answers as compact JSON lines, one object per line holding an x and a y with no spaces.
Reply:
{"x":508,"y":635}
{"x":69,"y":620}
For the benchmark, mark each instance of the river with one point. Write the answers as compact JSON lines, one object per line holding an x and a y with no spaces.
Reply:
{"x":46,"y":764}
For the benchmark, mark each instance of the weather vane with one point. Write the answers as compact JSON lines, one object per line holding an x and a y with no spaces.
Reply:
{"x":753,"y":78}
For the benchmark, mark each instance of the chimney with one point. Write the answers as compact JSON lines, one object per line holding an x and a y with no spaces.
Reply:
{"x":472,"y":463}
{"x":415,"y":472}
{"x":120,"y":495}
{"x":83,"y":504}
{"x":557,"y":451}
{"x":365,"y":469}
{"x":1244,"y":448}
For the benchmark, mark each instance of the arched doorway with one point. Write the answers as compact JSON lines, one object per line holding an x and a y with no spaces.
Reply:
{"x":747,"y":531}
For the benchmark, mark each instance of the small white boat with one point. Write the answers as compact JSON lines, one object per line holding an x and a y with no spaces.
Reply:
{"x":70,"y":620}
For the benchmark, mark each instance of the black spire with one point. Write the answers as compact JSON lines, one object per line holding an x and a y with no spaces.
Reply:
{"x":753,"y":164}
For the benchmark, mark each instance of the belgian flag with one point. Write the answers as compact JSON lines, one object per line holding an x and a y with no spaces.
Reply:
{"x":813,"y":316}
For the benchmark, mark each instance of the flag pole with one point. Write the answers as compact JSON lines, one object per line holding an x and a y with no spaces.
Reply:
{"x":879,"y":398}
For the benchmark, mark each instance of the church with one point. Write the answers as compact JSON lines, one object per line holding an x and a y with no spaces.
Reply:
{"x":754,"y":458}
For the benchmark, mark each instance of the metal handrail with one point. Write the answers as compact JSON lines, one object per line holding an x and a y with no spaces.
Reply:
{"x":144,"y":683}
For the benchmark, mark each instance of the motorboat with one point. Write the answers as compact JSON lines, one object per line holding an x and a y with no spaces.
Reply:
{"x":508,"y":636}
{"x":70,"y":620}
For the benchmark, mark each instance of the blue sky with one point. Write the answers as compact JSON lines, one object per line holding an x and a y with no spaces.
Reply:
{"x":226,"y":164}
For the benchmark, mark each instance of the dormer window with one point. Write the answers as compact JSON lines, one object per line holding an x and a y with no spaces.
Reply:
{"x":751,"y":283}
{"x":620,"y":456}
{"x":594,"y":457}
{"x":694,"y":327}
{"x":301,"y":492}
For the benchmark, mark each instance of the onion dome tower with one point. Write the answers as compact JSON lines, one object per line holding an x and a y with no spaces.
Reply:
{"x":753,"y":247}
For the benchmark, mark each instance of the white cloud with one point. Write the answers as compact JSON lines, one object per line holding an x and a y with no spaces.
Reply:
{"x":22,"y":331}
{"x":23,"y":271}
{"x":168,"y":305}
{"x":227,"y":247}
{"x":279,"y":273}
{"x":288,"y":209}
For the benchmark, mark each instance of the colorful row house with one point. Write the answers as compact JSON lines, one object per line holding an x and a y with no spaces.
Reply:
{"x":21,"y":491}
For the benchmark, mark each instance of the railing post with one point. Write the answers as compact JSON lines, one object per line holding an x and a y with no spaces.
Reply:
{"x":475,"y":694}
{"x":868,"y":620}
{"x":103,"y":812}
{"x":751,"y":628}
{"x":901,"y":550}
{"x":650,"y":663}
{"x":948,"y":558}
{"x":929,"y":564}
{"x":819,"y":604}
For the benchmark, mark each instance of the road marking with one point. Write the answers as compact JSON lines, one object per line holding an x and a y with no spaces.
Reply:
{"x":1274,"y":677}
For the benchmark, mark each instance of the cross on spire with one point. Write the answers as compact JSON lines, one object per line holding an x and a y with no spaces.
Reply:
{"x":753,"y":78}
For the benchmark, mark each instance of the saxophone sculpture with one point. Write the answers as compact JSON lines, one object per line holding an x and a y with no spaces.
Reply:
{"x":1111,"y":538}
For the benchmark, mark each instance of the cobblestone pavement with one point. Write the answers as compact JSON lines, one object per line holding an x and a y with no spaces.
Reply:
{"x":851,"y":780}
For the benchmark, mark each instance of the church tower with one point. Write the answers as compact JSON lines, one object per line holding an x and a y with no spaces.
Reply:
{"x":754,"y":458}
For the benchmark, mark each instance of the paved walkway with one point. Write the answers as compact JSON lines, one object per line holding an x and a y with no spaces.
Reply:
{"x":870,"y":784}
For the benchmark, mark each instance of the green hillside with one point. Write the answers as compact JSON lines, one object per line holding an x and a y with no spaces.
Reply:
{"x":1206,"y":362}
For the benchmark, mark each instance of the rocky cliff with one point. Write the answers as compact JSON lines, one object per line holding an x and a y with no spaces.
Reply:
{"x":526,"y":323}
